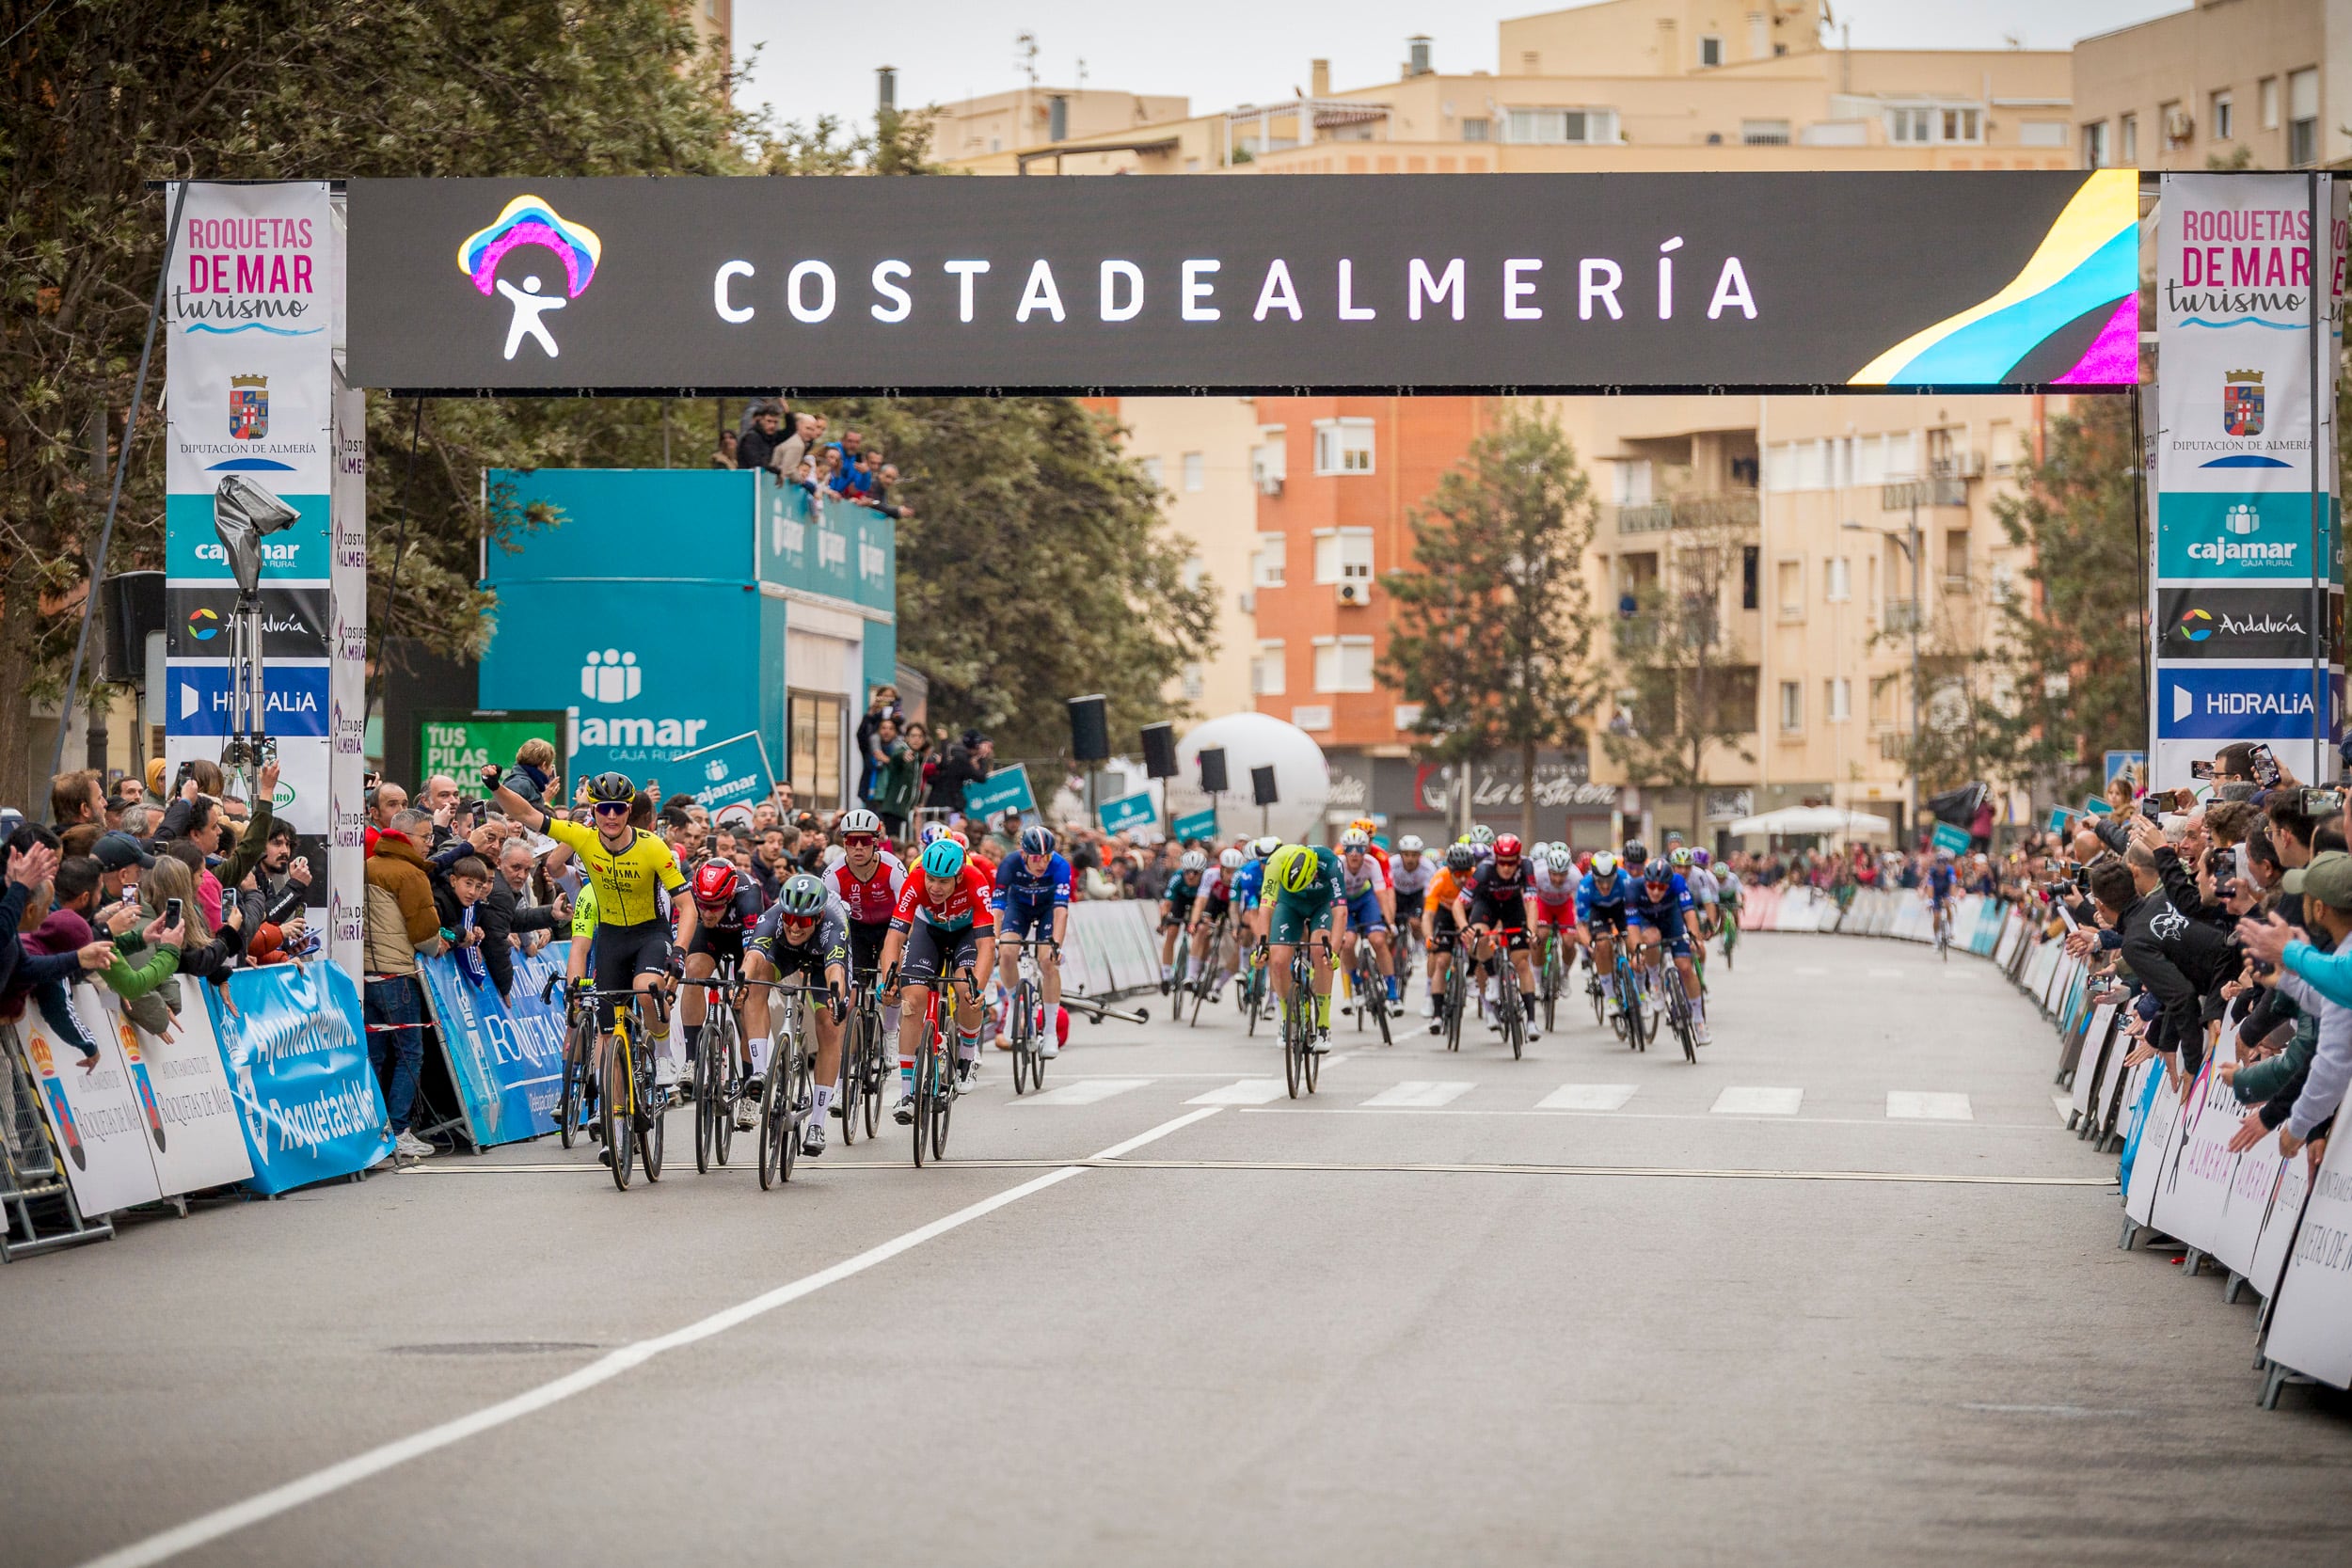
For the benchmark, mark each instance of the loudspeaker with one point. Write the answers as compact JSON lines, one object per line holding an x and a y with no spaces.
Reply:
{"x":1089,"y":730}
{"x":135,"y":607}
{"x":1261,"y":787}
{"x":1212,"y":778}
{"x":1159,"y":750}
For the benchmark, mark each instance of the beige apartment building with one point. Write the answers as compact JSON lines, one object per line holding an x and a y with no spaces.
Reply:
{"x":1821,"y":611}
{"x":2266,"y":81}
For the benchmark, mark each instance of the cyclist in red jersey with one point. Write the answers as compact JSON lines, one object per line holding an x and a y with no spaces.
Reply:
{"x":943,"y":928}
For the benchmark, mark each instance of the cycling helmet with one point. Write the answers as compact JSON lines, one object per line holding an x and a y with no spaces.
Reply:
{"x":1658,"y":870}
{"x":1194,"y":861}
{"x":1410,"y":844}
{"x":1560,"y":861}
{"x":1673,"y":836}
{"x":1678,"y":857}
{"x":613,"y":786}
{"x":715,"y":882}
{"x":857,"y":819}
{"x":1702,"y":858}
{"x":1604,"y":864}
{"x":1354,"y":838}
{"x":1584,"y":861}
{"x":1482,"y":834}
{"x":802,"y":898}
{"x":1295,"y":869}
{"x":1634,"y":854}
{"x":934,"y":831}
{"x":1459,"y":858}
{"x":1509,"y":847}
{"x":1037,"y":841}
{"x":955,"y":838}
{"x":1231,"y":860}
{"x":1263,"y":848}
{"x":944,"y":858}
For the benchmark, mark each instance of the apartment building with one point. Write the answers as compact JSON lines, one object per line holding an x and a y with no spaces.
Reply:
{"x":2263,"y":81}
{"x":987,"y":135}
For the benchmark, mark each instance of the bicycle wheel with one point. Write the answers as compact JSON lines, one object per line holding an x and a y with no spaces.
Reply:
{"x":1686,"y":1026}
{"x":926,"y":1085}
{"x":1253,"y":996}
{"x":613,"y":1112}
{"x":1731,"y":935}
{"x":1507,"y":1004}
{"x":1018,"y":1028}
{"x":1294,"y":1045}
{"x":774,"y":1117}
{"x":881,"y":1056}
{"x":651,"y":1110}
{"x":568,"y":1106}
{"x":725,"y":1039}
{"x":852,"y":1084}
{"x":1380,"y":1010}
{"x":707,"y":1107}
{"x":1457,"y":1001}
{"x":943,"y":1111}
{"x":795,"y":1098}
{"x":1312,"y":1062}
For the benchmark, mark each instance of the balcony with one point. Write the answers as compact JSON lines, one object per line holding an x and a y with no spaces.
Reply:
{"x":1902,"y":616}
{"x":1728,"y":508}
{"x":1895,"y":745}
{"x":1943,"y":491}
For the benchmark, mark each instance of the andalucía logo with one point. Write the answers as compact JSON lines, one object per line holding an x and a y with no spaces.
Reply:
{"x":530,"y":220}
{"x":2197,"y":626}
{"x":204,"y":625}
{"x":2242,"y":403}
{"x":248,"y":406}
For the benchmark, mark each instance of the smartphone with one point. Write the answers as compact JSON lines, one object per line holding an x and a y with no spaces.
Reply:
{"x":2322,"y":803}
{"x":2151,"y":807}
{"x":2200,"y":770}
{"x":2265,"y":767}
{"x":171,"y":912}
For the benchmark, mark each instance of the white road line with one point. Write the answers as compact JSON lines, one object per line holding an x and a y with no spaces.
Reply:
{"x":335,"y":1478}
{"x":1086,"y":1091}
{"x":1249,"y":1091}
{"x":1757,"y":1102}
{"x":1888,"y":973}
{"x":1925,"y":1105}
{"x":1803,"y":969}
{"x":1416,"y":1094}
{"x":1586,"y":1096}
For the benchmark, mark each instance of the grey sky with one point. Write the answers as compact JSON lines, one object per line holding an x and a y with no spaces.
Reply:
{"x":818,"y":60}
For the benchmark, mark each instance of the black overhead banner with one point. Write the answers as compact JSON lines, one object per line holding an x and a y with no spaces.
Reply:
{"x":1429,"y":283}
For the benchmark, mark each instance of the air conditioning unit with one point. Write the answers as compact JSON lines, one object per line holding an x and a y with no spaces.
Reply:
{"x":1354,"y":591}
{"x":1269,"y":484}
{"x":2178,"y":127}
{"x":1247,"y":601}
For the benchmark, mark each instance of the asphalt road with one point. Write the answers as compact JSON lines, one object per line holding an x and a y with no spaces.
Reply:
{"x":1877,"y":1316}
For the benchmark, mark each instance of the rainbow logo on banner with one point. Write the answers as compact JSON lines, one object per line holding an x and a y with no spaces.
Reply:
{"x":2083,"y":273}
{"x":530,"y":220}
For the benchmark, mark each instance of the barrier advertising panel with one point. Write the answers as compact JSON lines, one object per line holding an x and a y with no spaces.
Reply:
{"x":298,"y":1066}
{"x":197,"y":1143}
{"x":506,"y":1056}
{"x":103,"y":1118}
{"x":2315,"y":1299}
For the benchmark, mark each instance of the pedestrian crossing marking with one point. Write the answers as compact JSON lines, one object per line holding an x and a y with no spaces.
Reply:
{"x":1247,"y":1091}
{"x":1086,"y":1091}
{"x":1738,"y":1102}
{"x":1923,"y":1105}
{"x":1586,"y":1096}
{"x":1418,"y":1095}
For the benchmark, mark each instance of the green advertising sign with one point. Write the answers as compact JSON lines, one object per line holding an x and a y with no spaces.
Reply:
{"x":1947,"y":836}
{"x":458,"y":743}
{"x":1200,"y":824}
{"x":1127,"y":812}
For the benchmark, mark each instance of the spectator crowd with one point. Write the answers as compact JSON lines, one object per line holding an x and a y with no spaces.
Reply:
{"x":794,"y":448}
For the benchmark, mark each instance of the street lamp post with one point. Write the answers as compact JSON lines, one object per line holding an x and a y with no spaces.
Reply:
{"x":1910,"y":548}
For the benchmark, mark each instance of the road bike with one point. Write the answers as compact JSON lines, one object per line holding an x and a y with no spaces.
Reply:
{"x":1510,"y":1015}
{"x":1458,"y":993}
{"x":789,"y":1096}
{"x":1300,"y":1062}
{"x":630,"y":1102}
{"x":718,"y":1079}
{"x":1251,"y":990}
{"x":579,"y":1054}
{"x":1551,"y":977}
{"x":934,"y":1082}
{"x":1632,"y":1019}
{"x":1026,"y":1023}
{"x":1595,"y":991}
{"x":1943,"y":931}
{"x":1731,"y":932}
{"x":868,"y":1057}
{"x":1678,"y":1016}
{"x":1371,"y":991}
{"x":1179,"y":974}
{"x":1203,"y":978}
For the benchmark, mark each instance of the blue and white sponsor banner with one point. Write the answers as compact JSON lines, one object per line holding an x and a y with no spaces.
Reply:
{"x":734,"y":771}
{"x":2247,"y":294}
{"x":1006,"y":789}
{"x":1200,"y":824}
{"x":184,"y":1090}
{"x":1127,"y":812}
{"x":505,"y":1056}
{"x":296,"y":700}
{"x":298,"y":1061}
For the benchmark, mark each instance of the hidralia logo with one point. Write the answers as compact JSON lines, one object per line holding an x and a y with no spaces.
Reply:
{"x":530,"y":220}
{"x":2240,"y":703}
{"x":611,"y":677}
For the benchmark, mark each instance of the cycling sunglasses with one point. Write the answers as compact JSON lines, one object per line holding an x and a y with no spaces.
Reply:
{"x":799,"y":922}
{"x":860,"y":841}
{"x":611,"y":808}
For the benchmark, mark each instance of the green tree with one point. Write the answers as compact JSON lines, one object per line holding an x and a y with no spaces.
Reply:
{"x":2073,"y":642}
{"x":1035,"y":567}
{"x":1686,"y":694}
{"x":1493,"y":630}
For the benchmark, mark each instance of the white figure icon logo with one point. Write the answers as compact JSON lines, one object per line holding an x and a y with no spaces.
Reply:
{"x":714,"y":771}
{"x":529,"y":306}
{"x":2241,"y":519}
{"x":611,"y":677}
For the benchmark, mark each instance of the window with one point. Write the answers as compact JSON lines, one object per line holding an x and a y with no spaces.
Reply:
{"x":818,"y":725}
{"x":1477,"y":128}
{"x":2095,"y":145}
{"x":1531,"y":63}
{"x":1838,"y":580}
{"x":2221,"y":122}
{"x":1760,"y":36}
{"x":1342,"y":445}
{"x":1562,"y":126}
{"x":2174,"y":125}
{"x":1751,"y":566}
{"x":2269,"y":92}
{"x":1265,"y":566}
{"x":1269,"y":462}
{"x":1789,"y":576}
{"x":1344,"y":664}
{"x":1710,"y":51}
{"x":1314,"y":719}
{"x":1633,"y":481}
{"x":1196,"y":472}
{"x":1908,"y":125}
{"x":1837,"y":699}
{"x":1195,"y":683}
{"x":1764,"y":132}
{"x":2043,"y":132}
{"x":1343,"y":554}
{"x":2004,"y":582}
{"x":1791,"y":707}
{"x":1960,"y":124}
{"x":1155,"y":471}
{"x":1196,"y":572}
{"x":1266,"y":669}
{"x":2303,"y":116}
{"x":2127,"y":134}
{"x":1956,"y":555}
{"x":2003,"y":445}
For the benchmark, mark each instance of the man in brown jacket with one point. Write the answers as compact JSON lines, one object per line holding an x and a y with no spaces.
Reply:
{"x":399,"y":922}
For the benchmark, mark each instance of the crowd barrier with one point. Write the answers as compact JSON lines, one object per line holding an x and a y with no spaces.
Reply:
{"x":2272,"y":1225}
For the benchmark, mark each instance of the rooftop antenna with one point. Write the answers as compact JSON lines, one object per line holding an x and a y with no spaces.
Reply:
{"x":1025,"y":48}
{"x":1082,"y":73}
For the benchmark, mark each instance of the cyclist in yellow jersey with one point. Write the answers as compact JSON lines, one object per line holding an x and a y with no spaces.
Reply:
{"x":631,"y":869}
